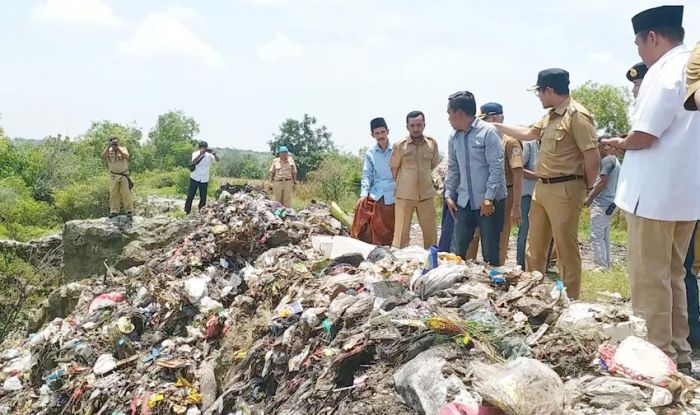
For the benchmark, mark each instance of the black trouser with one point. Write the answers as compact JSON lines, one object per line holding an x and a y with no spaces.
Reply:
{"x":191,"y":192}
{"x":490,"y":227}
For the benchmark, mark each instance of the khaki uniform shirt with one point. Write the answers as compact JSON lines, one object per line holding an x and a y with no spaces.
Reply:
{"x":565,"y":133}
{"x":116,"y":163}
{"x":283,"y":169}
{"x":415,"y":163}
{"x":692,"y":79}
{"x":513,"y":157}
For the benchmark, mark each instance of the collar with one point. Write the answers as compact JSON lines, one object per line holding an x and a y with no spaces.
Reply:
{"x":561,"y":108}
{"x":669,"y":54}
{"x":472,"y":126}
{"x":379,"y":149}
{"x":410,"y":140}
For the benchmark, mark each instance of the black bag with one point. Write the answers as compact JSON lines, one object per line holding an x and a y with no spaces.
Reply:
{"x":609,"y":211}
{"x":193,"y":164}
{"x":128,"y":179}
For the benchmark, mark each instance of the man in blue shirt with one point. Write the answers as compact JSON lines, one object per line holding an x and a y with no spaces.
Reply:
{"x":375,"y":209}
{"x":601,"y":200}
{"x":475,"y":186}
{"x":530,"y":150}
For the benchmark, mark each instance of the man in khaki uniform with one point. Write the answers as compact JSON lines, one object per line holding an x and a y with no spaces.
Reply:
{"x":412,"y":162}
{"x":117,"y":158}
{"x":513,"y":163}
{"x":283,"y":175}
{"x":692,"y":80}
{"x":568,"y":164}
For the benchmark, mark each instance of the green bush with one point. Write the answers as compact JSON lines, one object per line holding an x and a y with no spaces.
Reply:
{"x":337,"y":177}
{"x":171,"y":182}
{"x":83,"y":200}
{"x":20,"y":215}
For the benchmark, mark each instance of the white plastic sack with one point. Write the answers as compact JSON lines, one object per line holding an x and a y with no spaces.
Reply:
{"x":637,"y":359}
{"x":12,"y":384}
{"x":196,"y":289}
{"x":105,"y":364}
{"x":438,"y":279}
{"x":520,"y":387}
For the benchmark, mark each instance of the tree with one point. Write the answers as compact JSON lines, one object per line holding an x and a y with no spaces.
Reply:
{"x":609,"y":105}
{"x":338,"y":176}
{"x":94,"y":140}
{"x":172,"y":139}
{"x":308,"y":143}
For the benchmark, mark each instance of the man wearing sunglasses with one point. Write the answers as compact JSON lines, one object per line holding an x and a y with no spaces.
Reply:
{"x":475,"y":186}
{"x":568,"y":164}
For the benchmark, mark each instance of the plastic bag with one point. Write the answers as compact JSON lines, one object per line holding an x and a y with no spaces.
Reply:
{"x":520,"y":387}
{"x":438,"y":279}
{"x":431,"y":260}
{"x":196,"y":289}
{"x":637,"y":359}
{"x":106,"y":300}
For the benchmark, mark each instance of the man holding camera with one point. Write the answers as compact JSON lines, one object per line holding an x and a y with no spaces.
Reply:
{"x":199,"y":178}
{"x":117,"y":158}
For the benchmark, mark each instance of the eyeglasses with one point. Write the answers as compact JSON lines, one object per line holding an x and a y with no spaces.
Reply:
{"x":539,"y":91}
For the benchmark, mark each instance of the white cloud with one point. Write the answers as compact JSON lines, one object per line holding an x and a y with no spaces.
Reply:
{"x":281,"y":48}
{"x":82,"y":12}
{"x":183,"y":12}
{"x":165,"y":35}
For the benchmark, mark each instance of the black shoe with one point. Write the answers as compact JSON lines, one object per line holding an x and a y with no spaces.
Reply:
{"x":113,"y":215}
{"x":130,"y":214}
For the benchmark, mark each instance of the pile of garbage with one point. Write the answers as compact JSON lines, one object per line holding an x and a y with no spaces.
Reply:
{"x":264,"y":310}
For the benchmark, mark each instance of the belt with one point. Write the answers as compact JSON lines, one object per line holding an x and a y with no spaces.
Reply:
{"x":282,"y":180}
{"x":560,"y":179}
{"x":509,"y":185}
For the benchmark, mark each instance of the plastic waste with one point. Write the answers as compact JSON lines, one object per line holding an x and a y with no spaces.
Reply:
{"x":289,"y":309}
{"x":125,"y":325}
{"x":105,"y":364}
{"x":338,"y":213}
{"x":437,"y":279}
{"x":520,"y":387}
{"x":495,"y":277}
{"x":54,"y":376}
{"x":12,"y":384}
{"x":637,"y":359}
{"x":105,"y":301}
{"x":196,"y":289}
{"x":431,"y":260}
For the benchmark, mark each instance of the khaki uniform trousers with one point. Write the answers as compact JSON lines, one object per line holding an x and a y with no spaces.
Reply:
{"x":555,"y":211}
{"x":119,"y":194}
{"x":403,"y":210}
{"x":505,"y":235}
{"x":283,"y":190}
{"x":656,"y":251}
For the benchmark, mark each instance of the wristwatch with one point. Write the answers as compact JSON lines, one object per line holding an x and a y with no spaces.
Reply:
{"x":487,"y":202}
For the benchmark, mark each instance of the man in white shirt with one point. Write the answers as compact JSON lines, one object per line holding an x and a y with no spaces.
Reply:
{"x":660,"y":182}
{"x":199,"y":178}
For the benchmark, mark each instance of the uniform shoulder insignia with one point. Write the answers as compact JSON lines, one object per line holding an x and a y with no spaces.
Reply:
{"x":516,"y":151}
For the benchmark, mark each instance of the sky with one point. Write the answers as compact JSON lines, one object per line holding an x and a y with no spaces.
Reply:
{"x":241,"y":67}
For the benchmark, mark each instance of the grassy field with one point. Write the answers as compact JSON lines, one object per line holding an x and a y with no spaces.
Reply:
{"x":614,"y":280}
